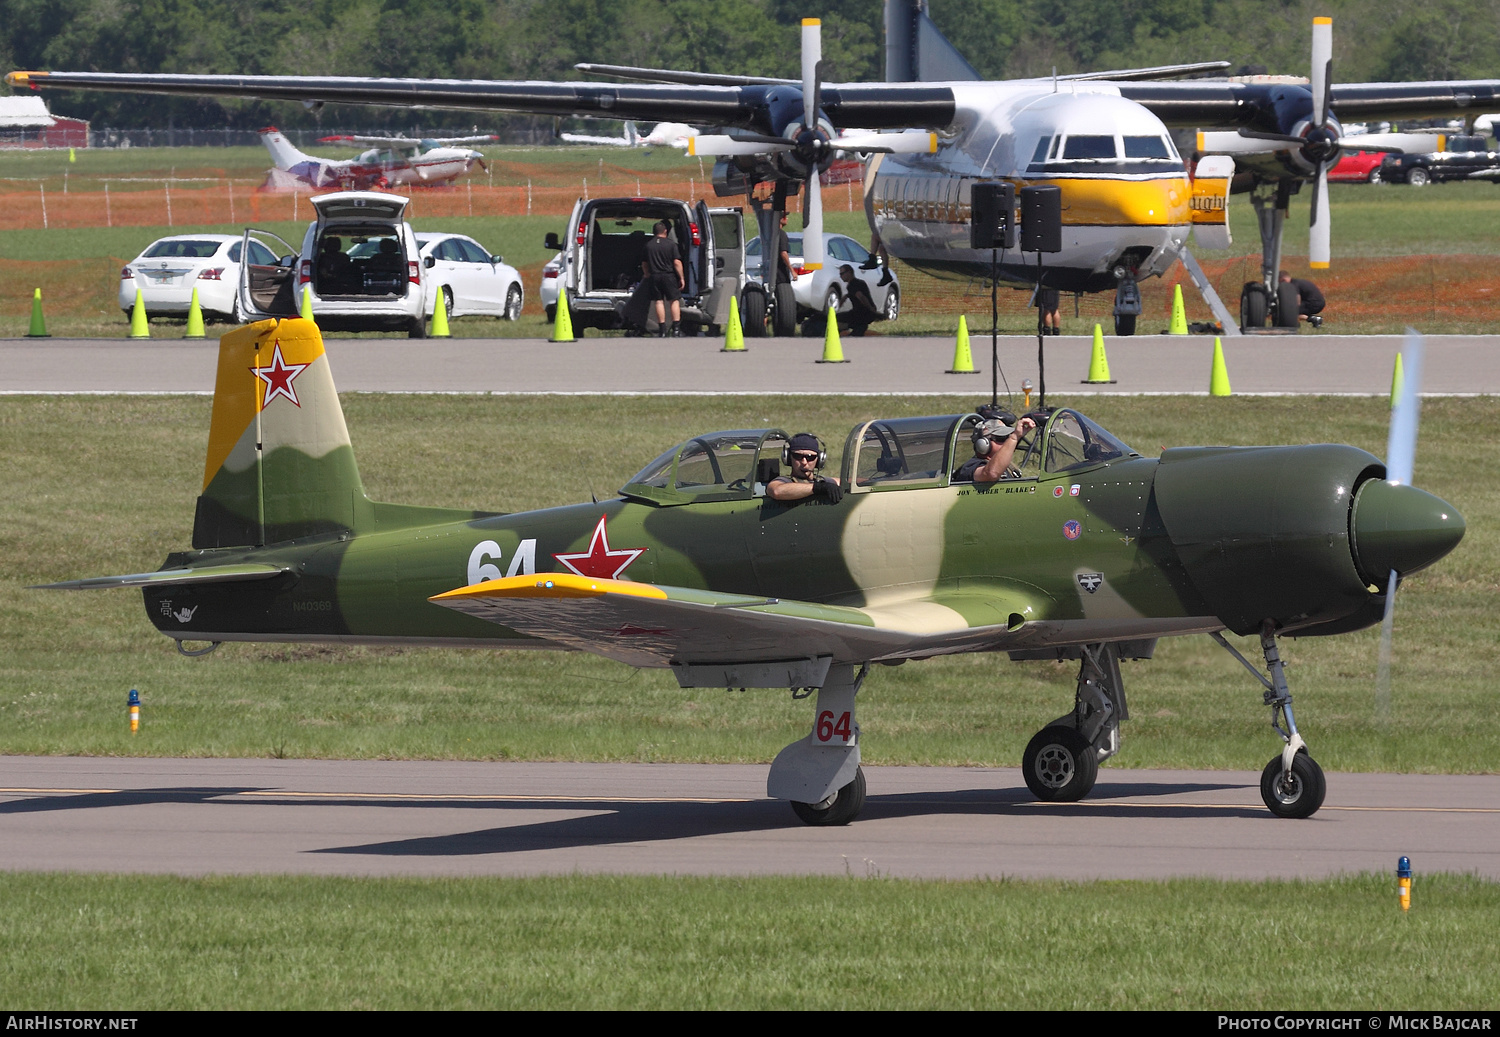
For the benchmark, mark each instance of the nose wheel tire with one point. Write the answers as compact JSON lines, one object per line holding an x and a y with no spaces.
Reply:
{"x":1125,"y":324}
{"x":1059,"y":765}
{"x":1295,"y":794}
{"x":840,"y":808}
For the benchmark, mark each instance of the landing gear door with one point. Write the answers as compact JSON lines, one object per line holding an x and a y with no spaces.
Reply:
{"x":267,"y":291}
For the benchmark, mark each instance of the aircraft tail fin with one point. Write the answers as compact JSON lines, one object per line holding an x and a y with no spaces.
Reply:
{"x":916,"y":51}
{"x":284,"y":154}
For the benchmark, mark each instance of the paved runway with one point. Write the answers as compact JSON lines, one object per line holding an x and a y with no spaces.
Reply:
{"x":192,"y":817}
{"x":1314,"y":364}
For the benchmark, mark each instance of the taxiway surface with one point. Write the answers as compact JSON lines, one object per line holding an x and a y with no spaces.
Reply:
{"x":198,"y":816}
{"x":1305,"y":364}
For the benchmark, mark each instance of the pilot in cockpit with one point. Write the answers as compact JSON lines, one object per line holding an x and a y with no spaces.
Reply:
{"x":806,"y":455}
{"x":995,"y":440}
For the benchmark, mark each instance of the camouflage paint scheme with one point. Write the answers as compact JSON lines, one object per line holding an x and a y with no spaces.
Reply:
{"x":694,"y":567}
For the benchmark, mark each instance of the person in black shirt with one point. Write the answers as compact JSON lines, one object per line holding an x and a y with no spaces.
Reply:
{"x":1310,"y":301}
{"x":862,"y":306}
{"x":783,"y":273}
{"x":664,"y":270}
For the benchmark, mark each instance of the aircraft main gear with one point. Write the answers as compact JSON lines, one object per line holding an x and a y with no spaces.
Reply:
{"x":820,"y":773}
{"x":784,"y":313}
{"x":1287,"y":302}
{"x":1254,"y":305}
{"x":1292,"y":784}
{"x":753,"y":311}
{"x":1061,"y":762}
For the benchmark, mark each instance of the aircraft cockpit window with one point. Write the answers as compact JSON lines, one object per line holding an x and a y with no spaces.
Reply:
{"x":900,"y":453}
{"x":1147,"y":147}
{"x":1089,"y":146}
{"x":1040,"y":155}
{"x":1074,"y":441}
{"x":729,"y":465}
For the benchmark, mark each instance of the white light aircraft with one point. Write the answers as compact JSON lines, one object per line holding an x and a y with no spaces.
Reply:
{"x":665,"y":135}
{"x":390,"y":162}
{"x":1128,"y":205}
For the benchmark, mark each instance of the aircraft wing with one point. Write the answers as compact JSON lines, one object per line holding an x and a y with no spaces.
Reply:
{"x":1227,"y":103}
{"x":874,"y":105}
{"x":650,"y":625}
{"x":172,"y":577}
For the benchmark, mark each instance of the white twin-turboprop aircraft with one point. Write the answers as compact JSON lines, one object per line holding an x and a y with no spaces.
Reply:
{"x":1128,"y":203}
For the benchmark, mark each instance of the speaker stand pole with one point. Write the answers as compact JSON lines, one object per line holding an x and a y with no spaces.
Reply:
{"x":994,"y":327}
{"x":1041,"y":359}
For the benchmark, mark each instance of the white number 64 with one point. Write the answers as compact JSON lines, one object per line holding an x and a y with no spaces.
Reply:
{"x":523,"y":562}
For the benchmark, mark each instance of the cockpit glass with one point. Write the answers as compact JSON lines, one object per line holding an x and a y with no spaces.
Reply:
{"x":714,"y":462}
{"x":903,"y":451}
{"x":1040,"y":154}
{"x":1147,"y":147}
{"x":1074,"y":441}
{"x":1088,"y":146}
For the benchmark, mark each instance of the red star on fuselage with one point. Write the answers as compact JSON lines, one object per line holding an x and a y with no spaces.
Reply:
{"x":278,"y":378}
{"x":599,"y":561}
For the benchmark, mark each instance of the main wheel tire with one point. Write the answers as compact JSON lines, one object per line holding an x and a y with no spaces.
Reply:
{"x":1298,"y":794}
{"x":513,"y":301}
{"x":893,"y":303}
{"x":1059,"y":766}
{"x":416,"y":327}
{"x":753,"y":314}
{"x":784,"y":317}
{"x":840,"y":808}
{"x":1417,"y":177}
{"x":1125,"y":324}
{"x":1286,"y":306}
{"x":1254,"y":305}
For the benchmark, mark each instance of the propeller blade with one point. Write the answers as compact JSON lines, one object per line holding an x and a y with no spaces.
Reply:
{"x":1400,"y":457}
{"x":1322,"y":67}
{"x":812,"y":53}
{"x":1409,"y":143}
{"x":1244,"y":142}
{"x":723,"y":144}
{"x":1320,"y":233}
{"x":812,"y":225}
{"x":907,"y":142}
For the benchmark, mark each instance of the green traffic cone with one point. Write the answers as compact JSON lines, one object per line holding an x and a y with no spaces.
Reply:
{"x":38,"y":322}
{"x":1098,"y":362}
{"x":1218,"y":378}
{"x":833,"y":349}
{"x":139,"y":328}
{"x":734,"y":334}
{"x":963,"y":357}
{"x":1398,"y":380}
{"x":195,"y":318}
{"x":1179,"y":314}
{"x":439,"y":317}
{"x":305,"y":311}
{"x":562,"y":327}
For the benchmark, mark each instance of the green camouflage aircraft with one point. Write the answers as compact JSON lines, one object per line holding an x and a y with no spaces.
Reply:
{"x":1090,"y":551}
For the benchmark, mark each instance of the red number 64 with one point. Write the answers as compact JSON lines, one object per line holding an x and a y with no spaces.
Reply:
{"x":828,"y":728}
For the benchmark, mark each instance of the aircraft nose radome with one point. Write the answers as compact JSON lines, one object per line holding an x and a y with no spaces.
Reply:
{"x":1402,"y":528}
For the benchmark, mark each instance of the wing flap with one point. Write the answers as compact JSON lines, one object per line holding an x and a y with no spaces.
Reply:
{"x":172,"y":577}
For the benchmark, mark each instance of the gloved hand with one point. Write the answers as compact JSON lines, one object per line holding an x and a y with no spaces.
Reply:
{"x":828,"y":488}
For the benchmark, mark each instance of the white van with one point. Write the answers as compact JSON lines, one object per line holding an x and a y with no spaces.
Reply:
{"x":359,"y":258}
{"x":600,"y":261}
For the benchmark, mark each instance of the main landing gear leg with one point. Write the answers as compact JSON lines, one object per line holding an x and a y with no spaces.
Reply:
{"x":1292,"y":784}
{"x":1061,"y":762}
{"x":820,"y":774}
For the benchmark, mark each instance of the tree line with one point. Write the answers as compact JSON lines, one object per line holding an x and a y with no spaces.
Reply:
{"x":542,"y":39}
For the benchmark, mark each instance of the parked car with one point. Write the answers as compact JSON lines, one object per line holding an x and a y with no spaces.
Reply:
{"x":817,"y":289}
{"x":1465,"y":159}
{"x":1359,"y":167}
{"x":168,"y":270}
{"x":359,"y":258}
{"x":467,"y":278}
{"x":599,"y":264}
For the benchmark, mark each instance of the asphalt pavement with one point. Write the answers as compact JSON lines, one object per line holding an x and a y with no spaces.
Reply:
{"x":1314,"y":364}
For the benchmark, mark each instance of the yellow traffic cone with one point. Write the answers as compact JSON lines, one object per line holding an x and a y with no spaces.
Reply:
{"x":38,"y":322}
{"x":138,"y":326}
{"x":1179,"y":315}
{"x":963,"y":357}
{"x":833,"y":349}
{"x":562,"y":328}
{"x":1218,"y":379}
{"x":195,"y":318}
{"x":1098,"y":362}
{"x":440,"y":317}
{"x":734,"y":334}
{"x":1398,"y":381}
{"x":305,"y":311}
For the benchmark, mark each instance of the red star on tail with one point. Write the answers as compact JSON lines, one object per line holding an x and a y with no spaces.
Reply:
{"x":599,"y":561}
{"x":278,"y":378}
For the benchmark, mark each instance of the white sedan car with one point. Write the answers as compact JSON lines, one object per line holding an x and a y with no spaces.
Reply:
{"x":169,"y":269}
{"x":467,"y":278}
{"x":816,"y":289}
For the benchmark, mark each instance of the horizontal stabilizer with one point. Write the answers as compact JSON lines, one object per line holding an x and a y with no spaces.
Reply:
{"x":172,"y":577}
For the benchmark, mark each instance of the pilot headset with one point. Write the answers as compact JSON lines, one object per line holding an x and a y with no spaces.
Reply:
{"x":990,"y":430}
{"x":816,"y":444}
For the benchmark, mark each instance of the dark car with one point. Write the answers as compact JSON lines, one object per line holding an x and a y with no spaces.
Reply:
{"x":1465,"y":159}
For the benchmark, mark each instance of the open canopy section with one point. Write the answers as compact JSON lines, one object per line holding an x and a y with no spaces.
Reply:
{"x":731,"y":465}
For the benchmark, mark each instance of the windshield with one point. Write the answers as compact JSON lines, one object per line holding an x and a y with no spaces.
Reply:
{"x":903,"y":451}
{"x":733,"y":463}
{"x":1074,"y":441}
{"x":182,"y":249}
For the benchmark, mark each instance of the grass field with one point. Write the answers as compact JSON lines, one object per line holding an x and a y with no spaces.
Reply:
{"x":99,"y":485}
{"x":1402,"y":255}
{"x":138,"y":943}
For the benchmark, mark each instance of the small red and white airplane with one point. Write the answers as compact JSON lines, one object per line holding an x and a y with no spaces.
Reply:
{"x":390,"y":162}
